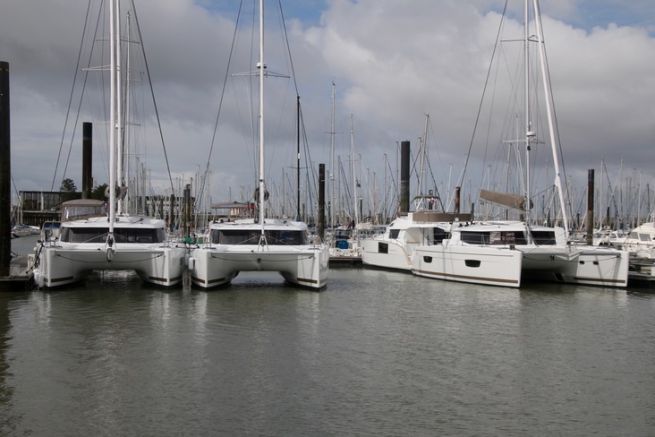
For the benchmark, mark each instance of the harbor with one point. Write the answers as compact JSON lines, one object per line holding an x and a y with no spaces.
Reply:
{"x":375,"y":353}
{"x":345,"y":218}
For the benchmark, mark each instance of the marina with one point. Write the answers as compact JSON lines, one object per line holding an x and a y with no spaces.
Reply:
{"x":362,"y":218}
{"x":375,"y":353}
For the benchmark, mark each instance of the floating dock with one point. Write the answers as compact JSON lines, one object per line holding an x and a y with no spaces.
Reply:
{"x":642,"y":272}
{"x":20,"y":276}
{"x":345,"y":261}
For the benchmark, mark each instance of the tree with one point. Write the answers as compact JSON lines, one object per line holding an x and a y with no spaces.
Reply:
{"x":99,"y":192}
{"x":68,"y":186}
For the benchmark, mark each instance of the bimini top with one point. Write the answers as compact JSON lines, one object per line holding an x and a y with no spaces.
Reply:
{"x":82,"y":208}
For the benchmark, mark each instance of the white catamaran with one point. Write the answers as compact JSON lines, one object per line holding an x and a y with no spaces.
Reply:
{"x":505,"y":252}
{"x":92,"y":239}
{"x":261,"y":244}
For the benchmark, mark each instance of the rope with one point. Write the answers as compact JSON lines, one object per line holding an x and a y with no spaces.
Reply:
{"x":152,"y":92}
{"x":484,"y":91}
{"x":220,"y":104}
{"x":70,"y":99}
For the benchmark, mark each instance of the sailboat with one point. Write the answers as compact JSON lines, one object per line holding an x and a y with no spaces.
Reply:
{"x":506,"y":252}
{"x":260,"y":244}
{"x":92,"y":238}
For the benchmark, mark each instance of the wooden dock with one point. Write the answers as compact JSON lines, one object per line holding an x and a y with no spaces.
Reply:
{"x":20,"y":277}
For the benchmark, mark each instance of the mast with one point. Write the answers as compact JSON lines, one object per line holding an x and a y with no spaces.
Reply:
{"x":529,"y":134}
{"x":119,"y":110}
{"x":352,"y":162}
{"x":332,"y":156}
{"x":298,"y":158}
{"x":261,"y":67}
{"x":112,"y":121}
{"x":127,"y":114}
{"x":549,"y":113}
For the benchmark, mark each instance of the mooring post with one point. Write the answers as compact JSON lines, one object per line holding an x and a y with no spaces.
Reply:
{"x":458,"y":194}
{"x":5,"y":172}
{"x":321,"y":201}
{"x":87,"y":159}
{"x":404,"y":176}
{"x":590,"y":207}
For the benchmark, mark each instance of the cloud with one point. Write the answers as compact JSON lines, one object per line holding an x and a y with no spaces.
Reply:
{"x":392,"y":62}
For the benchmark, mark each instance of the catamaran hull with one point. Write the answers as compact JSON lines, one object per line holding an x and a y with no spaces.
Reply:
{"x":58,"y":266}
{"x":577,"y":265}
{"x":474,"y":265}
{"x":217,"y":266}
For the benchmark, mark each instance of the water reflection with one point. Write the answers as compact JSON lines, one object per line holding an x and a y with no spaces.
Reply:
{"x":375,"y":353}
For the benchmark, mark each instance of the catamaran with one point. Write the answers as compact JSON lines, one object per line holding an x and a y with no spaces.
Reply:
{"x":92,"y":238}
{"x":506,"y":252}
{"x":261,"y":243}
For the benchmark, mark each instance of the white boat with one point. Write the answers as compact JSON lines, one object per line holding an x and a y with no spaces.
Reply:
{"x":21,"y":230}
{"x":264,"y":244}
{"x":501,"y":253}
{"x":506,"y":252}
{"x":86,"y":245}
{"x":395,"y":248}
{"x":90,"y":239}
{"x":640,"y":242}
{"x":237,"y":246}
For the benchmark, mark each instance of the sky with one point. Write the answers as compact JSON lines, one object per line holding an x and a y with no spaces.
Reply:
{"x":392,"y":62}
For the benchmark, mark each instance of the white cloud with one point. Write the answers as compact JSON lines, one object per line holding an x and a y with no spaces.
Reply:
{"x":392,"y":62}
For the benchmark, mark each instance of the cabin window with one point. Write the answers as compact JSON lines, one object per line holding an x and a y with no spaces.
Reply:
{"x":507,"y":237}
{"x":438,"y":235}
{"x":475,"y":237}
{"x":472,"y":263}
{"x":83,"y":235}
{"x":251,"y":236}
{"x":644,"y":237}
{"x":139,"y":235}
{"x":393,"y":233}
{"x":633,"y":235}
{"x":427,"y":259}
{"x":544,"y":238}
{"x":383,"y":248}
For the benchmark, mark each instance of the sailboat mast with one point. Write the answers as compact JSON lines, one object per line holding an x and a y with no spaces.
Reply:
{"x":119,"y":110}
{"x":549,"y":114}
{"x":298,"y":158}
{"x":352,"y":162}
{"x":261,"y":67}
{"x":127,"y":116}
{"x":332,"y":167}
{"x":528,"y":123}
{"x":112,"y":118}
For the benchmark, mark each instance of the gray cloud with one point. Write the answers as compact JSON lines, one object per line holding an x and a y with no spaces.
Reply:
{"x":392,"y":64}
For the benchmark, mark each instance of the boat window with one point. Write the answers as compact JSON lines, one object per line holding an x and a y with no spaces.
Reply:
{"x":633,"y":235}
{"x":251,"y":236}
{"x":644,"y":237}
{"x":472,"y":263}
{"x":383,"y":248}
{"x":83,"y":235}
{"x":507,"y":237}
{"x":393,"y":233}
{"x":473,"y":237}
{"x":139,"y":235}
{"x":543,"y":237}
{"x":438,"y":235}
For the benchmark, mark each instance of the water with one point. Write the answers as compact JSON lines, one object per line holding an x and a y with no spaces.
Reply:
{"x":375,"y":354}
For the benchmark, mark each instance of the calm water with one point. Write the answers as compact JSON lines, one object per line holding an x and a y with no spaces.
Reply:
{"x":376,"y":353}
